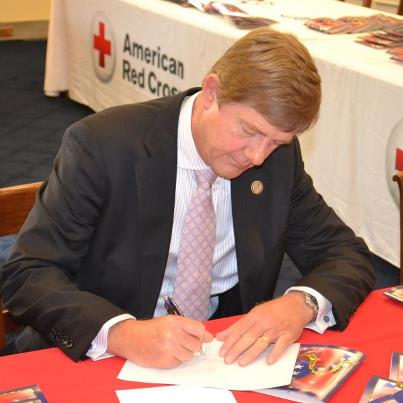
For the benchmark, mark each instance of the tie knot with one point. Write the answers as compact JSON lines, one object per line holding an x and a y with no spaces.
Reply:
{"x":205,"y":177}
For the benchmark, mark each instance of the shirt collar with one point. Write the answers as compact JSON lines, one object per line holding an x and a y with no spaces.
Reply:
{"x":188,"y":157}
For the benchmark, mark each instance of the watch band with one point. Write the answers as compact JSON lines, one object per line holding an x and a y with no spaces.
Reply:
{"x":312,"y":302}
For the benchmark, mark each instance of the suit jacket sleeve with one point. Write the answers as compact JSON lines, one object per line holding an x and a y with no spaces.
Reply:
{"x":331,"y":258}
{"x":39,"y":282}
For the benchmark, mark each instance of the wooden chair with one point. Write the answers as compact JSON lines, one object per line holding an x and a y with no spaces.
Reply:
{"x":399,"y":179}
{"x":15,"y":204}
{"x":368,"y":3}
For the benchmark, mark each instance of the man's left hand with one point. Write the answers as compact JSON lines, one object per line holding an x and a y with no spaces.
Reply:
{"x":278,"y":321}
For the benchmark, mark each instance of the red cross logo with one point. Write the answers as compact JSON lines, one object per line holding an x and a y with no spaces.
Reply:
{"x":102,"y":44}
{"x":399,"y":159}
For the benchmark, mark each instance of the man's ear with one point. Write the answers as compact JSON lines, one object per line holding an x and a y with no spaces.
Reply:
{"x":211,"y":87}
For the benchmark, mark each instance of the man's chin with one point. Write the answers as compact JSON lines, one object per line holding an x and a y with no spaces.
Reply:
{"x":231,"y":173}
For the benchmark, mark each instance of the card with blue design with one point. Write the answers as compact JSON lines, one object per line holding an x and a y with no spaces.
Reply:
{"x":382,"y":390}
{"x":396,"y":368}
{"x":318,"y":373}
{"x":395,"y":293}
{"x":26,"y":394}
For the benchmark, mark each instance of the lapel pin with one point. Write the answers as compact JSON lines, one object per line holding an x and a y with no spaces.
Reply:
{"x":256,"y":187}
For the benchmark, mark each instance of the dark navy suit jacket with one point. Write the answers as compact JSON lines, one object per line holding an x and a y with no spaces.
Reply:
{"x":96,"y":242}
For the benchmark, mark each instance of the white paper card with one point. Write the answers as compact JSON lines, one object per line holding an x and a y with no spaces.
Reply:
{"x":209,"y":370}
{"x":175,"y":394}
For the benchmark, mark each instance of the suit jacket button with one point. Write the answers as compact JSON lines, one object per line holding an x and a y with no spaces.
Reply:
{"x":69,"y":343}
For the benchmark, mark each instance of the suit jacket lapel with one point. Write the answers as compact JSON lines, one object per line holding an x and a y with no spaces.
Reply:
{"x":156,"y":183}
{"x":156,"y":178}
{"x":259,"y":225}
{"x":247,"y":217}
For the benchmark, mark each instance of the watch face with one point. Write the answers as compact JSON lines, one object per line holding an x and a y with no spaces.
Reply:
{"x":312,"y":302}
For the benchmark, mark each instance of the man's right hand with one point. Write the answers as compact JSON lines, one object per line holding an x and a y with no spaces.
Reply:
{"x":160,"y":342}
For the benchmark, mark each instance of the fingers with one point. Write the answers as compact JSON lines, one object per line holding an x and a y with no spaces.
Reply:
{"x":191,"y":343}
{"x":197,"y":332}
{"x":160,"y":342}
{"x":208,"y":337}
{"x":279,"y":347}
{"x":257,"y":348}
{"x":270,"y":322}
{"x":242,"y":337}
{"x":231,"y":335}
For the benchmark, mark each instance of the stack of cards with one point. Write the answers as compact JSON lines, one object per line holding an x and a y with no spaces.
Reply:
{"x":386,"y":390}
{"x":31,"y":394}
{"x":396,"y":292}
{"x":240,"y":17}
{"x":319,"y":371}
{"x":233,"y":12}
{"x":352,"y":24}
{"x":390,"y":39}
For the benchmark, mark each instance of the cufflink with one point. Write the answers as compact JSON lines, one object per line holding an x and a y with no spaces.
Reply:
{"x":256,"y":187}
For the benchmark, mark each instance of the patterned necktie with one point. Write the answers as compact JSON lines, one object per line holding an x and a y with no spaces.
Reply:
{"x":195,"y":259}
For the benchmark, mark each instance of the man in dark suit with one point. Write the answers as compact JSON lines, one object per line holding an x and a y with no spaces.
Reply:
{"x":100,"y":248}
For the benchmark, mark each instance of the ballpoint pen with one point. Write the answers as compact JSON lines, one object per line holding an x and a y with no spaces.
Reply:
{"x":173,"y":309}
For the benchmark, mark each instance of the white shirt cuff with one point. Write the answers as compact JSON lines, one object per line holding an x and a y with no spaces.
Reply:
{"x":325,"y":316}
{"x":99,"y":345}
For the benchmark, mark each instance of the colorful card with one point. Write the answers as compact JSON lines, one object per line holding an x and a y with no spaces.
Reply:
{"x":240,"y":17}
{"x":396,"y":51}
{"x":396,"y":368}
{"x":319,"y":371}
{"x":382,"y":390}
{"x":395,"y":292}
{"x":398,"y":58}
{"x":31,"y":394}
{"x":355,"y":24}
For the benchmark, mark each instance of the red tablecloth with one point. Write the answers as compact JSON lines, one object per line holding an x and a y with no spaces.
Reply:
{"x":376,"y":329}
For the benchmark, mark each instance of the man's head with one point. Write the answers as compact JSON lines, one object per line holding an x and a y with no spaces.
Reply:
{"x":274,"y":74}
{"x":262,"y":92}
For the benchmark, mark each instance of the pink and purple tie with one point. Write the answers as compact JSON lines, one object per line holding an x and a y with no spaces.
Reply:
{"x":195,"y":260}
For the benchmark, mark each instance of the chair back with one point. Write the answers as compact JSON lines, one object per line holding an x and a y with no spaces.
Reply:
{"x":399,"y":179}
{"x":368,"y":3}
{"x":15,"y":204}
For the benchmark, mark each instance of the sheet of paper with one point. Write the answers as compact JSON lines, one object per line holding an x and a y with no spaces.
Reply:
{"x":209,"y":370}
{"x":175,"y":394}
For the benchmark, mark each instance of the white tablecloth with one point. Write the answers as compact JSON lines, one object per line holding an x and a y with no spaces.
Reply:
{"x":154,"y":48}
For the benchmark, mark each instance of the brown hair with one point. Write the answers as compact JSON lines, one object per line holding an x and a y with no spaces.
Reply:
{"x":273,"y":73}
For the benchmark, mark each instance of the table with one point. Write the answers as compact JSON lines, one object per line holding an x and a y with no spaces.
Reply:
{"x":109,"y":52}
{"x":376,"y":329}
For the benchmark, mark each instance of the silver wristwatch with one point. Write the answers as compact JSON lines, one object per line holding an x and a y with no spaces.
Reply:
{"x":312,"y":302}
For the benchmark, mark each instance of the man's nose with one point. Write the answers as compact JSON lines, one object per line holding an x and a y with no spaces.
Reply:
{"x":257,"y":153}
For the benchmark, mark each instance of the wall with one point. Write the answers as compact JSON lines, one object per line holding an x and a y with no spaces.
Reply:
{"x":24,"y":10}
